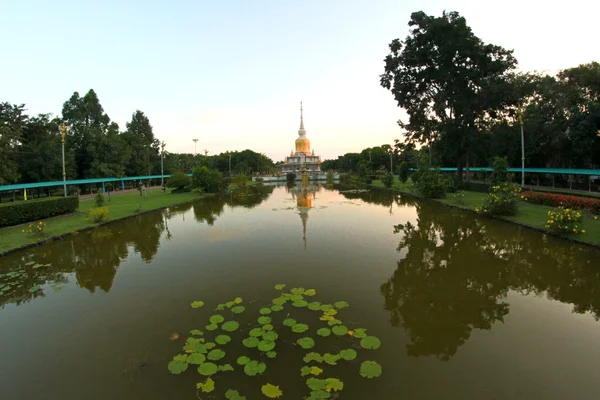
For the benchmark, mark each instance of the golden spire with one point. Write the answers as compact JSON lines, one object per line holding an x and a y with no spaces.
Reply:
{"x":313,"y":152}
{"x":301,"y":117}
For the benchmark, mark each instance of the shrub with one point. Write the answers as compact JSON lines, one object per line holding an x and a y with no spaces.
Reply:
{"x":259,"y":180}
{"x":564,"y":220}
{"x":179,"y":181}
{"x":388,"y":180}
{"x":241,"y":180}
{"x":210,"y":180}
{"x":97,"y":214}
{"x":500,"y":172}
{"x":330,"y":177}
{"x":290,"y":177}
{"x":363,"y":169}
{"x":561,"y":200}
{"x":403,"y":172}
{"x":452,"y":185}
{"x":33,"y":210}
{"x":502,"y":200}
{"x":35,"y":228}
{"x":99,"y":198}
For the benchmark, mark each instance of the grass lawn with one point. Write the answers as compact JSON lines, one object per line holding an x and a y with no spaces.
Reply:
{"x":528,"y":214}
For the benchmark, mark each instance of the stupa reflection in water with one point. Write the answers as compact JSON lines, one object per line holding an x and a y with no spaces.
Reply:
{"x":304,"y":196}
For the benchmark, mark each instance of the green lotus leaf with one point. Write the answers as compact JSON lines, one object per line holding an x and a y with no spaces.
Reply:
{"x":256,"y":332}
{"x":312,"y":356}
{"x":316,"y":384}
{"x":267,"y":327}
{"x":225,"y":367}
{"x":300,"y":303}
{"x":271,"y":354}
{"x":250,"y":342}
{"x":207,"y":386}
{"x":234,"y":395}
{"x":279,"y":286}
{"x":220,"y":307}
{"x":298,"y":290}
{"x":177,"y":367}
{"x":333,"y":384}
{"x":318,"y":395}
{"x":280,"y":301}
{"x":310,"y":371}
{"x":216,"y":319}
{"x":207,"y":369}
{"x":254,"y":368}
{"x":243,"y":360}
{"x":215,"y":354}
{"x":195,"y":347}
{"x":197,"y":304}
{"x":306,"y":342}
{"x":334,"y":322}
{"x":330,"y":312}
{"x":299,"y":328}
{"x":331,"y":359}
{"x":314,"y":306}
{"x":341,"y":304}
{"x":211,"y":327}
{"x":370,"y":342}
{"x":289,"y":322}
{"x":180,"y":357}
{"x":196,"y":358}
{"x":266,"y":345}
{"x":196,"y":332}
{"x":324,"y":332}
{"x":223,"y":339}
{"x":192,"y":341}
{"x":264,"y":320}
{"x":360,"y":333}
{"x":276,"y":307}
{"x":265,"y":311}
{"x":230,"y":326}
{"x":210,"y":345}
{"x":325,"y":307}
{"x":238,"y":309}
{"x":348,"y":354}
{"x":271,"y":391}
{"x":339,"y":330}
{"x":296,"y":297}
{"x":370,"y":369}
{"x":310,"y":292}
{"x":238,"y":300}
{"x":271,"y":335}
{"x":230,"y":304}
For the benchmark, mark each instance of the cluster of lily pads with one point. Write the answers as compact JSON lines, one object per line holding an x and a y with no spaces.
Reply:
{"x":204,"y":354}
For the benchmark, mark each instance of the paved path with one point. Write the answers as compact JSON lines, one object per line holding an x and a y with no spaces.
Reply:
{"x":117,"y":193}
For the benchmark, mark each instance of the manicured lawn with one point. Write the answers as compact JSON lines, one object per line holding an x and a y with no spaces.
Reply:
{"x":528,"y":214}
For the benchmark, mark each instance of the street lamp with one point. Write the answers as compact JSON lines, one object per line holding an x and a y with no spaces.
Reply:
{"x":162,"y":157}
{"x":522,"y":150}
{"x":63,"y":134}
{"x":195,"y":141}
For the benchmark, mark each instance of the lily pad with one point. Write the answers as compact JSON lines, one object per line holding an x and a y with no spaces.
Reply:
{"x":271,"y":354}
{"x":370,"y":342}
{"x":207,"y":386}
{"x":265,"y":311}
{"x":196,"y":358}
{"x":339,"y":330}
{"x":276,"y":307}
{"x":310,"y":371}
{"x":254,"y":368}
{"x":300,"y":303}
{"x":370,"y":369}
{"x":234,"y":395}
{"x":271,"y":391}
{"x":196,"y":332}
{"x":325,"y":307}
{"x":280,"y":301}
{"x":318,"y":395}
{"x":266,"y":345}
{"x":267,"y":327}
{"x":296,"y":297}
{"x":330,"y":312}
{"x":264,"y":320}
{"x":216,"y":319}
{"x":315,"y":383}
{"x":238,"y":309}
{"x":238,"y":300}
{"x":220,"y":307}
{"x":271,"y":335}
{"x":331,"y":359}
{"x":211,"y":327}
{"x":208,"y":369}
{"x":334,"y":322}
{"x":223,"y":339}
{"x":310,"y":292}
{"x":333,"y":384}
{"x":360,"y":333}
{"x":324,"y":332}
{"x":348,"y":354}
{"x":256,"y":332}
{"x":225,"y":367}
{"x":243,"y":360}
{"x":289,"y":322}
{"x":215,"y":354}
{"x":306,"y":343}
{"x":210,"y":345}
{"x":312,"y":356}
{"x":197,"y":304}
{"x":250,"y":342}
{"x":230,"y":326}
{"x":299,"y":290}
{"x":314,"y":306}
{"x":299,"y":328}
{"x":279,"y":286}
{"x":177,"y":367}
{"x":341,"y":304}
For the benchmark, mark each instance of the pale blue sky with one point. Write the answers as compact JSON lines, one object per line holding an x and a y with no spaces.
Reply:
{"x":232,"y":73}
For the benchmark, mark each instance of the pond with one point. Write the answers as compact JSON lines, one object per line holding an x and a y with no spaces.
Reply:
{"x":464,"y":307}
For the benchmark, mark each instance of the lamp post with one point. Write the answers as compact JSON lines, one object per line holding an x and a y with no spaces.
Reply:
{"x":522,"y":150}
{"x":63,"y":134}
{"x":162,"y":157}
{"x":229,"y":154}
{"x":195,"y":141}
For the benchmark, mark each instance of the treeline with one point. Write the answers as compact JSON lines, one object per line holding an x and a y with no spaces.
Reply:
{"x":95,"y":146}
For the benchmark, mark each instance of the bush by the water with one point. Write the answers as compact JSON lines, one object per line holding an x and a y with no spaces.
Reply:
{"x":241,"y":180}
{"x":561,"y":200}
{"x":210,"y":180}
{"x":179,"y":181}
{"x":99,"y":198}
{"x":565,"y":220}
{"x":502,"y":200}
{"x":500,"y":172}
{"x":33,"y":210}
{"x":388,"y":180}
{"x":97,"y":214}
{"x":403,"y":172}
{"x":290,"y":176}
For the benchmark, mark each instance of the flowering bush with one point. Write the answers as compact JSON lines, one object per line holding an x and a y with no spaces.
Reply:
{"x":502,"y":200}
{"x":35,"y":228}
{"x":459,"y":197}
{"x":565,"y":220}
{"x":97,"y":214}
{"x":561,"y":200}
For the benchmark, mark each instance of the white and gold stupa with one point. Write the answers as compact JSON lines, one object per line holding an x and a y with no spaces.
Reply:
{"x":303,"y":159}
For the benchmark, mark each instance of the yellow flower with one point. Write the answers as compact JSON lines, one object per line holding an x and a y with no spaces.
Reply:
{"x":595,"y":217}
{"x":583,"y":231}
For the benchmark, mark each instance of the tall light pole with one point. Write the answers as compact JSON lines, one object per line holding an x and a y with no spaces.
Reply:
{"x":522,"y":150}
{"x":63,"y":134}
{"x":195,"y":141}
{"x":162,"y":157}
{"x":229,"y":154}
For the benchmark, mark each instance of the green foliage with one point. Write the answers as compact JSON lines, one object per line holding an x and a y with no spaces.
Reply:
{"x":99,"y":198}
{"x":502,"y":200}
{"x":197,"y":304}
{"x":233,"y":395}
{"x":223,"y":339}
{"x":240,"y":180}
{"x":324,"y":332}
{"x":370,"y":342}
{"x":313,"y":357}
{"x":403,"y":170}
{"x":97,"y":215}
{"x":280,"y":286}
{"x":370,"y":369}
{"x":207,"y":369}
{"x":290,"y":177}
{"x":230,"y":326}
{"x":311,"y":371}
{"x":243,"y":360}
{"x":500,"y":172}
{"x":216,"y":319}
{"x":33,"y":210}
{"x":299,"y":328}
{"x":565,"y":220}
{"x":179,"y":181}
{"x":348,"y":354}
{"x":340,"y":330}
{"x":209,"y":180}
{"x":206,"y":386}
{"x":215,"y":354}
{"x":306,"y":342}
{"x":254,"y":368}
{"x":388,"y":180}
{"x":177,"y":367}
{"x":271,"y":391}
{"x":429,"y":183}
{"x":250,"y":342}
{"x":266,"y":345}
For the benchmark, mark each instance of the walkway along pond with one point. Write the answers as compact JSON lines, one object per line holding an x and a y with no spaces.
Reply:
{"x":464,"y":307}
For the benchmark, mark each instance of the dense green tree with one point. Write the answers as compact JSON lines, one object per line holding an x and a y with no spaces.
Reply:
{"x":12,"y":122}
{"x":144,"y":147}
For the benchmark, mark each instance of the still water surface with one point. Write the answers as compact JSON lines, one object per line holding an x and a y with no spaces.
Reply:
{"x":466,"y":308}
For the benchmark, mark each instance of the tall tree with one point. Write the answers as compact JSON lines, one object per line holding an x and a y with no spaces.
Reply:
{"x":446,"y":79}
{"x":145,"y":148}
{"x":12,"y":123}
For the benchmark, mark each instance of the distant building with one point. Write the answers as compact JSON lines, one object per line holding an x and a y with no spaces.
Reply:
{"x":303,"y":159}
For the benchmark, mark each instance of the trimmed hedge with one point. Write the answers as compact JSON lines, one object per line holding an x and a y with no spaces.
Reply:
{"x":560,"y":200}
{"x":33,"y":210}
